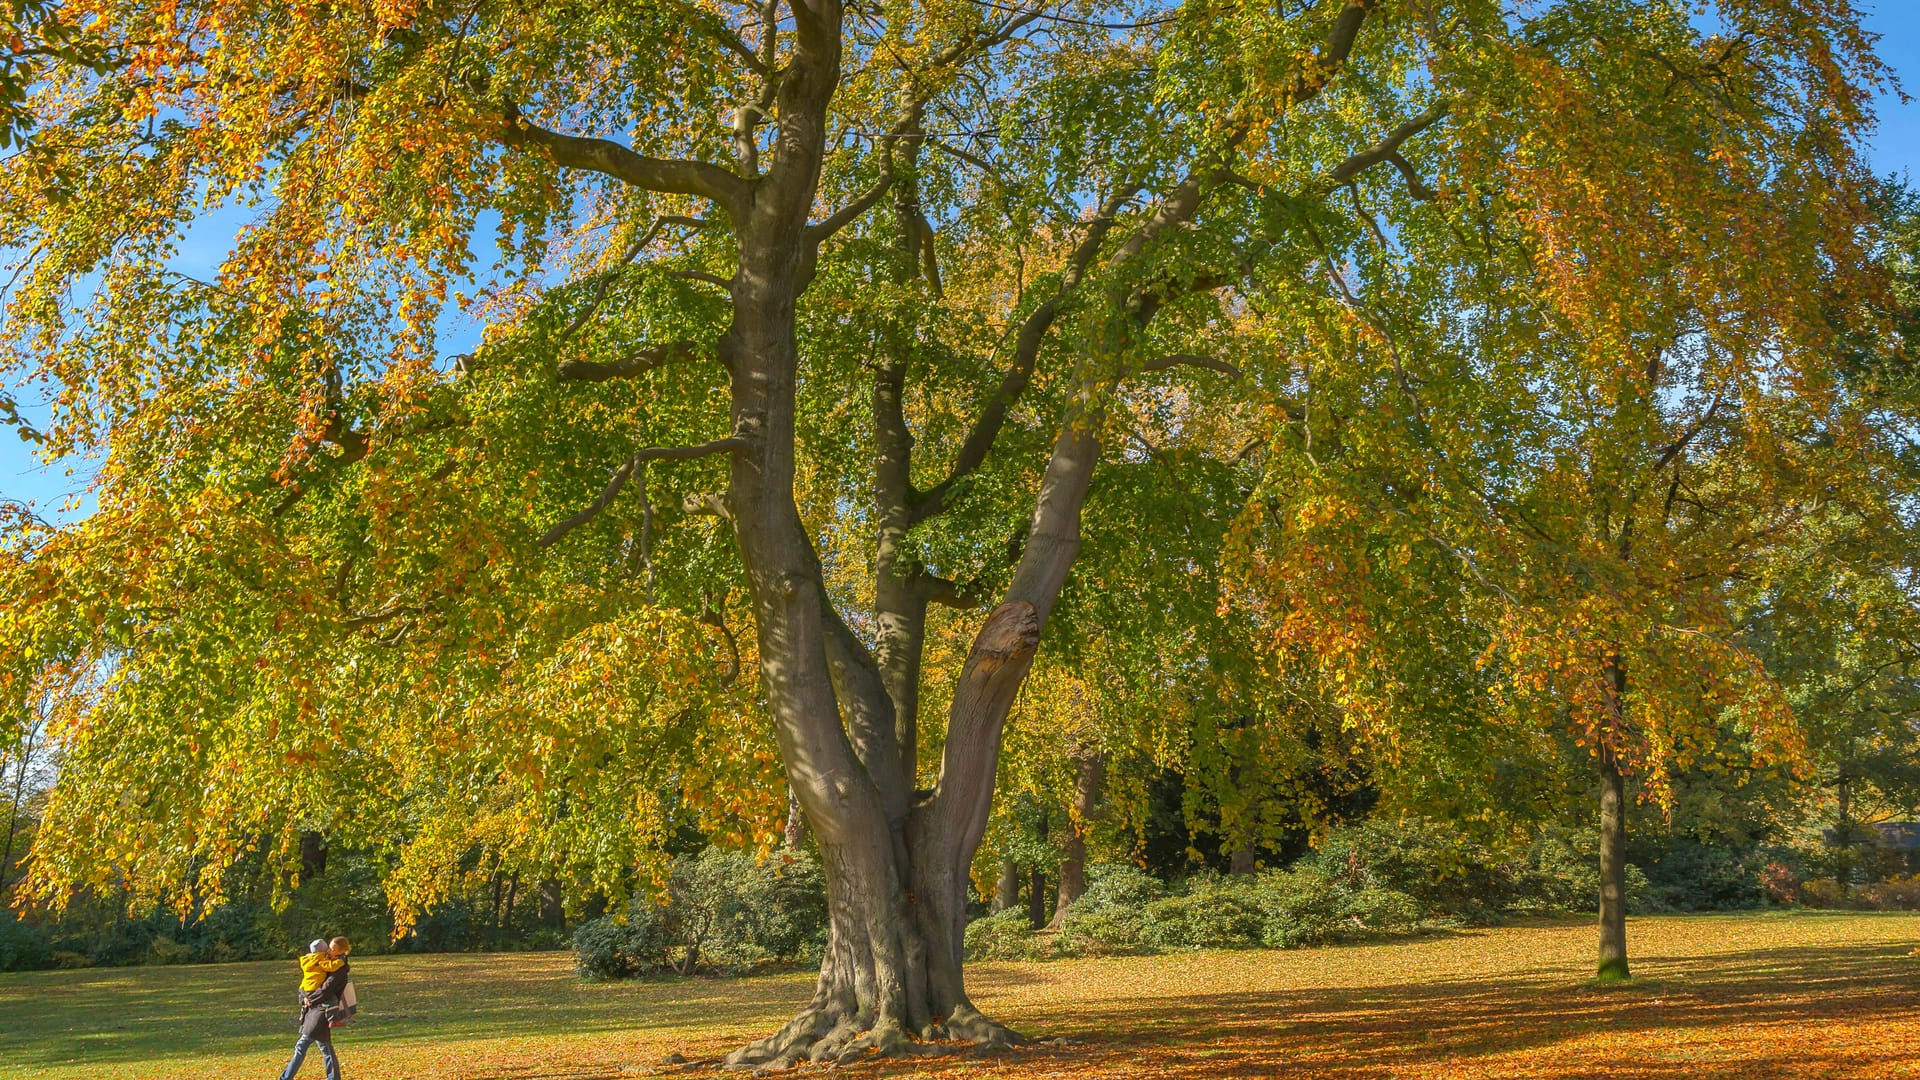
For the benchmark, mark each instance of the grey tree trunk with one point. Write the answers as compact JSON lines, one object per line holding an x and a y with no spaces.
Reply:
{"x":1613,"y":871}
{"x":896,"y":858}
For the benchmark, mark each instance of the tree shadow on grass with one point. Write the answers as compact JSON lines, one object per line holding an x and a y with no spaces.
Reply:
{"x":1742,"y":1012}
{"x":1671,"y":1023}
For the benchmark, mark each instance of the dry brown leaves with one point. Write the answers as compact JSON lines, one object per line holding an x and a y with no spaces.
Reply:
{"x":1778,"y":995}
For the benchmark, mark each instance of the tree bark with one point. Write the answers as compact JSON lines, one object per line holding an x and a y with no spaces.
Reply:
{"x":1037,"y":898}
{"x":1243,"y":859}
{"x":795,"y":833}
{"x":1613,"y":871}
{"x":313,"y":856}
{"x":1007,"y":893}
{"x":1090,"y":769}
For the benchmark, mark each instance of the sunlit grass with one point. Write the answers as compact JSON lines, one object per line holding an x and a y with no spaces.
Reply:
{"x":1782,"y":994}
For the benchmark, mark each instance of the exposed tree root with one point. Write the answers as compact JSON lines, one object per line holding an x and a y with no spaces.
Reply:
{"x":837,"y":1036}
{"x":967,"y":1024}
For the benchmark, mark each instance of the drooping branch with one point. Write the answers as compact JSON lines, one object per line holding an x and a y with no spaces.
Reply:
{"x":625,"y":472}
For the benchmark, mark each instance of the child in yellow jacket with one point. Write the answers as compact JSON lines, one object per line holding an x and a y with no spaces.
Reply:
{"x":319,"y":962}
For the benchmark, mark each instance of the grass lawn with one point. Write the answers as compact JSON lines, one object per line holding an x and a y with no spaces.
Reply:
{"x":1764,"y":995}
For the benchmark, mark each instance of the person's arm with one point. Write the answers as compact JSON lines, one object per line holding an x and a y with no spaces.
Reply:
{"x":331,"y":986}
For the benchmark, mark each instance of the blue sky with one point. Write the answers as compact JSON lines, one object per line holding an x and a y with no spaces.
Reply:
{"x":1895,"y":149}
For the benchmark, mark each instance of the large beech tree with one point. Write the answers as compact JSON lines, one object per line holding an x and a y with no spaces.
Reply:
{"x":868,"y":289}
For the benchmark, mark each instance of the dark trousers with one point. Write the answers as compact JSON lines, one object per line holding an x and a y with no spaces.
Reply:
{"x":309,"y":1034}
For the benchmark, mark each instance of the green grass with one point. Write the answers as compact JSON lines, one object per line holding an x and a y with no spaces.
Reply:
{"x":1769,"y":994}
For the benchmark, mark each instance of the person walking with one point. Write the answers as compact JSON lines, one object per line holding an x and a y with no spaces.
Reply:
{"x":320,"y":1004}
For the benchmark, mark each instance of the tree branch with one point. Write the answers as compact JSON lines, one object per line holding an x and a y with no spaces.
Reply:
{"x":848,"y":214}
{"x":1192,"y":360}
{"x":626,"y":367}
{"x":673,"y":176}
{"x":1388,"y":148}
{"x":1026,"y":352}
{"x":622,"y":474}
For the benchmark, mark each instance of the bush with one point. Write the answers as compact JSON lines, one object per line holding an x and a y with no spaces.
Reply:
{"x":1119,"y":887}
{"x":724,"y":911}
{"x":1781,"y":883}
{"x":1211,"y":915}
{"x":22,"y":946}
{"x":605,"y":948}
{"x":1308,"y":907}
{"x":731,"y":911}
{"x":1008,"y":935}
{"x":1894,"y":894}
{"x":1444,"y":870}
{"x":1107,"y":932}
{"x":1683,"y":874}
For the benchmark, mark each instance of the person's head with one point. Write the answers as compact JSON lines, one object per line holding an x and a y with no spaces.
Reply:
{"x":339,"y":947}
{"x":318,"y":944}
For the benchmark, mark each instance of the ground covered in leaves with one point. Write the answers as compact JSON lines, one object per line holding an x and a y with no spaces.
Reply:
{"x":1764,"y":995}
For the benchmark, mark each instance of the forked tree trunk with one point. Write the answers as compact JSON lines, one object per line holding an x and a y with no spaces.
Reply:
{"x":896,"y":859}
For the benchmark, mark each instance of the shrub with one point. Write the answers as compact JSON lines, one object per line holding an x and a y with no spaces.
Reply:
{"x":1007,"y":935}
{"x":1781,"y":883}
{"x":729,"y":911}
{"x":1119,"y":887}
{"x":1210,"y":915}
{"x":605,"y":948}
{"x":1683,"y":874}
{"x":22,"y":947}
{"x":1894,"y":894}
{"x":1307,"y":907}
{"x":1106,"y":932}
{"x":1444,"y":870}
{"x":1822,"y":893}
{"x":724,"y":911}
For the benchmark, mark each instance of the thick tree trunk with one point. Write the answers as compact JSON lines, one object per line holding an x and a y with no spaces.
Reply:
{"x":1090,"y":769}
{"x":1037,"y":898}
{"x":896,"y":860}
{"x":1613,"y":870}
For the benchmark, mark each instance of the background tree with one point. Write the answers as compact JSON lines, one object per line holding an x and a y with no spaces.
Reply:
{"x":1579,"y":448}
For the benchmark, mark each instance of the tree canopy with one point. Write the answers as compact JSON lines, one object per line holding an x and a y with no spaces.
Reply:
{"x":1427,"y":372}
